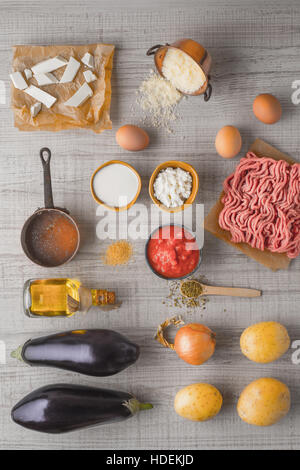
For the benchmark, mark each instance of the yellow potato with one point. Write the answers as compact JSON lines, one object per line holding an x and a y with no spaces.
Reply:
{"x":264,"y":402}
{"x":265,"y":342}
{"x":198,"y":402}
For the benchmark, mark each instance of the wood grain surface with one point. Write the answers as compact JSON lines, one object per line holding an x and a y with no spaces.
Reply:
{"x":255,"y":49}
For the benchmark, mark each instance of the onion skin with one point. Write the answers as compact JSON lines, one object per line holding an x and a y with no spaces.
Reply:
{"x":195,"y":343}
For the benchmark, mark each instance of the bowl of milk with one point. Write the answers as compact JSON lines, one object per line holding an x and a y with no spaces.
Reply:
{"x":116,"y":185}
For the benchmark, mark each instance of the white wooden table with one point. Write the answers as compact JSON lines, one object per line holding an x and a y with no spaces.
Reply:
{"x":255,"y":48}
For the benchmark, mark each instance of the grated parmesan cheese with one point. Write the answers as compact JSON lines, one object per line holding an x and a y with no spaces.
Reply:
{"x":173,"y":186}
{"x":182,"y":71}
{"x":158,"y":99}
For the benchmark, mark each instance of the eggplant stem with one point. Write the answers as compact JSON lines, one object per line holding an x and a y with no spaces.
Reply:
{"x":145,"y":406}
{"x":176,"y":321}
{"x":17,"y":353}
{"x":134,"y":406}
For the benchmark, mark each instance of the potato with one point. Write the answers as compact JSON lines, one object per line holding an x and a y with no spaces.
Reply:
{"x":264,"y":402}
{"x":265,"y":342}
{"x":198,"y":402}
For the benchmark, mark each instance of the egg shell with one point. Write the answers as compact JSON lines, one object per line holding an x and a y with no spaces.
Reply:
{"x":228,"y":142}
{"x":132,"y":138}
{"x":267,"y":108}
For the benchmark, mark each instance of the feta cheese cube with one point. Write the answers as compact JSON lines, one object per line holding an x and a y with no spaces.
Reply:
{"x":41,"y":95}
{"x":81,"y":95}
{"x":49,"y":65}
{"x":70,"y":71}
{"x":45,"y":78}
{"x":88,"y":60}
{"x":28,"y":73}
{"x":18,"y":80}
{"x":35,"y":109}
{"x":89,"y":76}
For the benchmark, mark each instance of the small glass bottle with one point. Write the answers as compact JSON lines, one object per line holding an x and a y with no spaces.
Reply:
{"x":63,"y":298}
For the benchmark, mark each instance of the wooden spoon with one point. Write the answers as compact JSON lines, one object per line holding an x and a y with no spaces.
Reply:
{"x":215,"y":290}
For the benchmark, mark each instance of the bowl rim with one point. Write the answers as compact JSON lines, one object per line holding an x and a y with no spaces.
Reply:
{"x":174,"y":164}
{"x":172,"y":278}
{"x":101,"y":203}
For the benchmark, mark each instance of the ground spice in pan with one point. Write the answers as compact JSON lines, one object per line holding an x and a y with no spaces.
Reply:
{"x":118,"y":253}
{"x":51,"y":238}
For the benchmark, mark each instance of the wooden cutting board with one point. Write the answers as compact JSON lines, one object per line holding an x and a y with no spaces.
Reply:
{"x":271,"y":260}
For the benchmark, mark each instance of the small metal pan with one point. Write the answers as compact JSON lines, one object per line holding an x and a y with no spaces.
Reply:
{"x":50,"y":237}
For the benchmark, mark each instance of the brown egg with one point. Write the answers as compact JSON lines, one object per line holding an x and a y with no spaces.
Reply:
{"x":267,"y":108}
{"x":228,"y":142}
{"x":132,"y":138}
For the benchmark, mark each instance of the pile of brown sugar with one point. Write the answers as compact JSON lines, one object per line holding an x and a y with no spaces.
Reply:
{"x":118,"y":253}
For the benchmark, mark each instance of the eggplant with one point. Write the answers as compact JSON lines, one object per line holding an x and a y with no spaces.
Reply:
{"x":98,"y":353}
{"x":61,"y":408}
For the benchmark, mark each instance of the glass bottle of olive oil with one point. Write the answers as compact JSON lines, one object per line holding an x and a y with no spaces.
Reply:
{"x":63,"y":298}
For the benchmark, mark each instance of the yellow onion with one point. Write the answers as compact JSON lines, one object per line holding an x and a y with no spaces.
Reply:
{"x":194,"y":343}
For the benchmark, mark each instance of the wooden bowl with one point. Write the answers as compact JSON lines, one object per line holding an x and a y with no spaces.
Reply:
{"x":175,"y":164}
{"x":197,"y":52}
{"x":117,"y":209}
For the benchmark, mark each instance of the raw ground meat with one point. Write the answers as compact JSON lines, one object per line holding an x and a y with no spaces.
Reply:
{"x":262,"y":205}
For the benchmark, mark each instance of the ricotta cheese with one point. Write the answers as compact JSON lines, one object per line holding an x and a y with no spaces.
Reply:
{"x":173,"y":186}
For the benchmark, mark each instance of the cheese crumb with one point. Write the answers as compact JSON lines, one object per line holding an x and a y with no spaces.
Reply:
{"x":173,"y":186}
{"x":158,"y":99}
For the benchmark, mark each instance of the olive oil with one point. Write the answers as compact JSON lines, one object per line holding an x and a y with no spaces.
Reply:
{"x":62,"y":298}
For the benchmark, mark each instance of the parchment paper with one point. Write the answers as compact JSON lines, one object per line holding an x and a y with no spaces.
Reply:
{"x":93,"y":114}
{"x":271,"y":260}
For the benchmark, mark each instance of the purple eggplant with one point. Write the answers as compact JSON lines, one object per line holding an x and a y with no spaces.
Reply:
{"x":62,"y":408}
{"x":97,"y":353}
